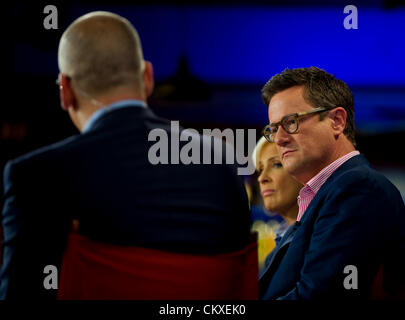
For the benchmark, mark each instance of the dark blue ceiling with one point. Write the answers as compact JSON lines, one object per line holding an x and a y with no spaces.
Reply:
{"x":245,"y":45}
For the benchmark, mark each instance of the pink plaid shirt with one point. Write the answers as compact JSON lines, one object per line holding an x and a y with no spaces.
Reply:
{"x":308,"y":192}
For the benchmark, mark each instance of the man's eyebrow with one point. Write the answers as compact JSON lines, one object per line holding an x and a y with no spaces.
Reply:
{"x":288,"y":114}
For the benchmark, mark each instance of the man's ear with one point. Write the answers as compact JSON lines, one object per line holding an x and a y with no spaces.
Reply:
{"x":338,"y":117}
{"x":67,"y":96}
{"x":148,"y":78}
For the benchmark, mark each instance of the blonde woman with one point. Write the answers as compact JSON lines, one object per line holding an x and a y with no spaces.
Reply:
{"x":277,"y":188}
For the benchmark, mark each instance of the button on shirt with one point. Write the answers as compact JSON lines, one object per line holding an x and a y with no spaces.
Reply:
{"x":308,"y":192}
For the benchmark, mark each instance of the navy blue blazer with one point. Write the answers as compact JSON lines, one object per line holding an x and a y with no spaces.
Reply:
{"x":103,"y":178}
{"x":357,"y":218}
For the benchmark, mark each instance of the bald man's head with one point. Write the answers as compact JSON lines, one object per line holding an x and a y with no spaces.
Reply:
{"x":101,"y":51}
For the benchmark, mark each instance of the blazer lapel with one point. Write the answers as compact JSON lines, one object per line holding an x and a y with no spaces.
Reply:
{"x":278,"y":252}
{"x":275,"y":257}
{"x":285,"y":241}
{"x":320,"y":195}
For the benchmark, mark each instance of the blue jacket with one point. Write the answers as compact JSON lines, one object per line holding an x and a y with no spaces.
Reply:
{"x":104,"y":179}
{"x":357,"y":218}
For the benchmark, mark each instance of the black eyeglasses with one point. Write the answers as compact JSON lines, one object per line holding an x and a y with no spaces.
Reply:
{"x":289,"y":123}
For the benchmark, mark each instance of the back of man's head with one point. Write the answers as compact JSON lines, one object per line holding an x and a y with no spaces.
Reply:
{"x":100,"y":52}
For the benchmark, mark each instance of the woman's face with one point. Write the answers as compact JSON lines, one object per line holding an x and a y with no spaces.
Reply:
{"x":278,"y":189}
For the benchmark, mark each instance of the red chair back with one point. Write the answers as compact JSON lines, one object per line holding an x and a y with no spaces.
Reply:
{"x":379,"y":293}
{"x":97,"y":271}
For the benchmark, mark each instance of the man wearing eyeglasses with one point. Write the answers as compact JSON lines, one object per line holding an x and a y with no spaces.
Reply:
{"x":350,"y":229}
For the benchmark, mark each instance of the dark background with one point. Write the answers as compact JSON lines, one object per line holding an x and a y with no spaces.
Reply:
{"x":211,"y":60}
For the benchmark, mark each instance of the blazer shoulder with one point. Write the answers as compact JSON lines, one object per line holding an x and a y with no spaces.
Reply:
{"x":364,"y":176}
{"x":367,"y":183}
{"x":41,"y":155}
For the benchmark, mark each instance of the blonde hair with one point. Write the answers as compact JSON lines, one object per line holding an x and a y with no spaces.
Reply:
{"x":256,"y":152}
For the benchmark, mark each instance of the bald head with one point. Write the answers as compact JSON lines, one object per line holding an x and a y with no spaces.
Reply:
{"x":101,"y":51}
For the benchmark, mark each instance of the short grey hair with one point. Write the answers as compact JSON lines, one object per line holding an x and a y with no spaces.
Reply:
{"x":101,"y":51}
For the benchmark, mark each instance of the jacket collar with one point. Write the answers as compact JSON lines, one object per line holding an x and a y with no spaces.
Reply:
{"x":358,"y":160}
{"x":117,"y":117}
{"x":132,"y":103}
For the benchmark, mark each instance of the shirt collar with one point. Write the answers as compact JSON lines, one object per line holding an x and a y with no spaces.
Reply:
{"x":111,"y":107}
{"x":316,"y":182}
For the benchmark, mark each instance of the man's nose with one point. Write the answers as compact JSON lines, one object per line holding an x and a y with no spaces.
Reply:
{"x":282,"y":137}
